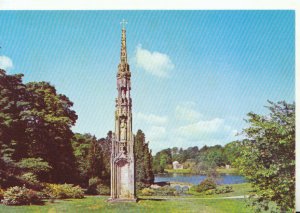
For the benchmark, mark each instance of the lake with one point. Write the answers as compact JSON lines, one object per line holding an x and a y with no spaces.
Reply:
{"x":196,"y":179}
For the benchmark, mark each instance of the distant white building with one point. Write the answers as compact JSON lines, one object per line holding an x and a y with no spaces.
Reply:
{"x":177,"y":165}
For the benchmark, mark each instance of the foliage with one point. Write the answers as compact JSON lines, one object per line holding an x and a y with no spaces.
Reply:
{"x":147,"y":192}
{"x":103,"y":189}
{"x":161,"y":160}
{"x":42,"y":119}
{"x":12,"y":145}
{"x":210,"y":192}
{"x":205,"y":185}
{"x":232,"y":151}
{"x":62,"y":191}
{"x":223,"y":190}
{"x":143,"y":159}
{"x":141,"y":185}
{"x":49,"y":119}
{"x":30,"y":178}
{"x":93,"y":183}
{"x":200,"y":161}
{"x":35,"y":166}
{"x":161,"y":191}
{"x":20,"y":196}
{"x":92,"y":158}
{"x":268,"y":156}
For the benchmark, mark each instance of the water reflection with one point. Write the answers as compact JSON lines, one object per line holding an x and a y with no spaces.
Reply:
{"x":196,"y":179}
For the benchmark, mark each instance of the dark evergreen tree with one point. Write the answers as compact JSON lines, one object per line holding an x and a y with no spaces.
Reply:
{"x":95,"y":159}
{"x":143,"y":159}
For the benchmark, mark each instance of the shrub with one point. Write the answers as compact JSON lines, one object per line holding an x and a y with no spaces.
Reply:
{"x":147,"y":192}
{"x":210,"y":192}
{"x":93,"y":183}
{"x":224,"y":190}
{"x":141,"y":185}
{"x":20,"y":196}
{"x":103,"y":189}
{"x":165,"y":191}
{"x":206,"y":185}
{"x":62,"y":191}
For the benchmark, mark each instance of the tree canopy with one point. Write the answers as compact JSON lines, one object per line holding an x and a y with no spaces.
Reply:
{"x":268,"y":155}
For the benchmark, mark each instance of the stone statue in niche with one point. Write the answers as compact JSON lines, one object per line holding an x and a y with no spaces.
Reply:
{"x":123,"y":130}
{"x":123,"y":94}
{"x":123,"y":111}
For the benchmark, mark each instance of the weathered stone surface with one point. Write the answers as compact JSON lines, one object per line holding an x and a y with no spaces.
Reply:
{"x":122,"y":157}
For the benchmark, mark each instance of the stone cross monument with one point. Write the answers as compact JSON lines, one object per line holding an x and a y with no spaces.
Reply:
{"x":122,"y":157}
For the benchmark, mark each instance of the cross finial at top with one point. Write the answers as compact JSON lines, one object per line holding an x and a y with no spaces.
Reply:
{"x":123,"y":23}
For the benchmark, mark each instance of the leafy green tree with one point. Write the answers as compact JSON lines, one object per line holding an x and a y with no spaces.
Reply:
{"x":268,"y":156}
{"x":13,"y":142}
{"x":162,"y":159}
{"x":49,"y":119}
{"x":232,"y":151}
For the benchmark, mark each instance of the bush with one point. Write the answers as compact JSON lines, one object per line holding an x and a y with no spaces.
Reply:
{"x":165,"y":191}
{"x":103,"y":189}
{"x":210,"y":192}
{"x":147,"y":192}
{"x":93,"y":183}
{"x":141,"y":185}
{"x":224,"y":190}
{"x":62,"y":191}
{"x":206,"y":185}
{"x":20,"y":196}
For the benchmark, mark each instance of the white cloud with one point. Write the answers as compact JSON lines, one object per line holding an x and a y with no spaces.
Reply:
{"x":186,"y":112}
{"x":151,"y":119}
{"x":156,"y":133}
{"x":6,"y":63}
{"x":201,"y":127}
{"x":155,"y":63}
{"x":202,"y":130}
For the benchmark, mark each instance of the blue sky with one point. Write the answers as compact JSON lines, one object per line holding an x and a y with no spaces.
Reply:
{"x":195,"y":74}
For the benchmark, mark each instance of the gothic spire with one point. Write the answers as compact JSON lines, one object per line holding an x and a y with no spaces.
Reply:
{"x":123,"y":43}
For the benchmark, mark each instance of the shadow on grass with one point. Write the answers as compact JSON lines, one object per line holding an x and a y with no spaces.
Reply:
{"x":152,"y":199}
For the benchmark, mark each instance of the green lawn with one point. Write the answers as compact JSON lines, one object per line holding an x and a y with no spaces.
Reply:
{"x":99,"y":204}
{"x":238,"y":190}
{"x":195,"y":203}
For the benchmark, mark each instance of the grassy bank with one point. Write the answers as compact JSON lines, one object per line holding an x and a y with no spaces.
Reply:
{"x":197,"y":202}
{"x":189,"y":171}
{"x":240,"y":189}
{"x":180,"y":171}
{"x":99,"y":204}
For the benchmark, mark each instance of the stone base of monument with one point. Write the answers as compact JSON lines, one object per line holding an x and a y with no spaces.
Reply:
{"x":122,"y":200}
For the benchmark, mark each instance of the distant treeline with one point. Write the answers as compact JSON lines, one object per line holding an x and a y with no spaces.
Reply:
{"x":198,"y":160}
